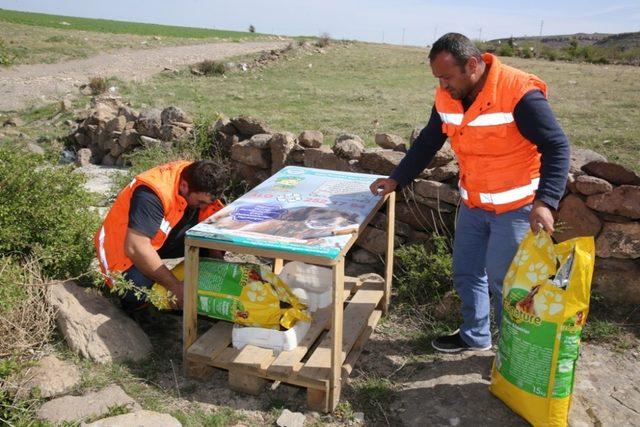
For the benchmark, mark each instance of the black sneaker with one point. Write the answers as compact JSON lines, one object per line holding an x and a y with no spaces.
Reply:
{"x":454,"y":343}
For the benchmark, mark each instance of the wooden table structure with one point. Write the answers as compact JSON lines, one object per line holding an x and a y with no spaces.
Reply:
{"x":328,"y":351}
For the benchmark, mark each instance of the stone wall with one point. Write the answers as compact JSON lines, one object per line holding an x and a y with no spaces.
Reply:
{"x":602,"y":199}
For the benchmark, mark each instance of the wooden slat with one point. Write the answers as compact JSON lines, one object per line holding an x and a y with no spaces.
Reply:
{"x":388,"y":271}
{"x":335,"y":377}
{"x":288,"y":362}
{"x":278,"y":263}
{"x":190,"y":308}
{"x":356,"y":314}
{"x":351,"y":359}
{"x":211,"y":343}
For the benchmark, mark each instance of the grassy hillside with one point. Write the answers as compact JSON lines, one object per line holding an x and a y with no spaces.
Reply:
{"x":117,"y":27}
{"x":368,"y":88}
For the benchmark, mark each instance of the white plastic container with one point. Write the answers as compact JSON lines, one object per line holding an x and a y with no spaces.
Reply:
{"x":310,"y":283}
{"x":269,"y":338}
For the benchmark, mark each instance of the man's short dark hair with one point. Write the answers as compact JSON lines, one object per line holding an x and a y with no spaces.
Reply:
{"x":203,"y":176}
{"x":459,"y":46}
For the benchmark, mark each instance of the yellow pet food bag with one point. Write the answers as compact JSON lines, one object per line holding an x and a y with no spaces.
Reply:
{"x":545,"y":305}
{"x":246,"y":294}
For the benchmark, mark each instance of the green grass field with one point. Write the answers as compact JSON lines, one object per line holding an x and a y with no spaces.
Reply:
{"x":368,"y":88}
{"x":117,"y":27}
{"x":33,"y":38}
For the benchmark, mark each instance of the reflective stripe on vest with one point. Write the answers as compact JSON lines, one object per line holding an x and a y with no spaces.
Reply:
{"x":505,"y":197}
{"x":490,"y":119}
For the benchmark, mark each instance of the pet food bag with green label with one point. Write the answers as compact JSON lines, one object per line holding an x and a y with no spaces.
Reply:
{"x":246,"y":294}
{"x":545,"y":304}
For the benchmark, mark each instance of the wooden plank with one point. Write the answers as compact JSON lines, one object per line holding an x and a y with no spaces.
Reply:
{"x":353,"y":355}
{"x":278,"y":263}
{"x":317,"y":400}
{"x":211,"y":343}
{"x":190,"y":307}
{"x":267,"y":253}
{"x":388,"y":273}
{"x":288,"y":362}
{"x":356,"y":315}
{"x":335,"y":379}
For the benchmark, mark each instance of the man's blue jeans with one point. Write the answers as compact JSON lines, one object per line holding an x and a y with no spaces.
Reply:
{"x":484,"y":246}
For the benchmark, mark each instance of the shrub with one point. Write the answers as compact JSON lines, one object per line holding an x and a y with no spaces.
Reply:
{"x":505,"y":50}
{"x":5,"y":55}
{"x":209,"y":67}
{"x":424,"y":275}
{"x":45,"y":214}
{"x":324,"y":40}
{"x":252,"y":29}
{"x":98,"y":85}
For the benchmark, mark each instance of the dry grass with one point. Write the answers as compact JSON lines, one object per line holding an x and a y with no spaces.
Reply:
{"x":28,"y":324}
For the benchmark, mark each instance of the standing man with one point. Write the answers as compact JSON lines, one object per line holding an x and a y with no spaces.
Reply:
{"x":514,"y":161}
{"x":148,"y":222}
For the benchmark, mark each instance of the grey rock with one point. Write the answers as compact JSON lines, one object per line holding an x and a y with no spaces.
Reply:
{"x":575,"y":219}
{"x":251,"y":174}
{"x":375,"y":241}
{"x":51,"y":377}
{"x":423,"y":218}
{"x":617,"y":280}
{"x":390,"y":141}
{"x":83,"y":157}
{"x":95,"y":328}
{"x":619,"y":240}
{"x":311,"y":138}
{"x":363,"y":256}
{"x":437,"y":190}
{"x":260,"y":140}
{"x":290,"y":419}
{"x":442,"y":173}
{"x":349,"y":149}
{"x":436,"y":204}
{"x":443,"y":156}
{"x":344,"y":136}
{"x":281,"y":145}
{"x":141,"y":418}
{"x":129,"y":139}
{"x":250,"y":126}
{"x":381,"y":162}
{"x":129,"y":113}
{"x":77,"y":408}
{"x":173,"y":114}
{"x":13,"y":122}
{"x":108,"y":160}
{"x":34,"y":148}
{"x":116,"y":124}
{"x":623,"y":201}
{"x":148,"y":142}
{"x":245,"y":152}
{"x":149,"y":122}
{"x":612,"y":172}
{"x":324,"y":158}
{"x":171,"y":132}
{"x":380,"y":222}
{"x":582,"y":156}
{"x":296,"y":156}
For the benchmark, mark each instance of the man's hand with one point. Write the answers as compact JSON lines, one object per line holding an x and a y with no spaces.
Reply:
{"x":383,"y":186}
{"x":541,"y":216}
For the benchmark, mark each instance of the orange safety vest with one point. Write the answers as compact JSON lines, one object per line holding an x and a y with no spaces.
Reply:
{"x":164,"y":180}
{"x":499,"y":167}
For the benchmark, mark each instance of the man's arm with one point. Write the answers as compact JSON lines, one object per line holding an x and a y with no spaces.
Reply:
{"x":424,"y":148}
{"x":138,"y":248}
{"x":536,"y":122}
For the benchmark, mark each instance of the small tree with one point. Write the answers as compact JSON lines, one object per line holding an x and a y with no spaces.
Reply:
{"x":252,"y":29}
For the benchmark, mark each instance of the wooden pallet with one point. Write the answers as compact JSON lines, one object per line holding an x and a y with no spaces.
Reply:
{"x":308,"y":365}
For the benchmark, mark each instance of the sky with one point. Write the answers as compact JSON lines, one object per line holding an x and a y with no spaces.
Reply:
{"x":409,"y":22}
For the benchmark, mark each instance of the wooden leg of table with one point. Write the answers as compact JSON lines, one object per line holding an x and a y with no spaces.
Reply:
{"x":388,"y":275}
{"x":336,"y":337}
{"x":277,"y":265}
{"x":190,"y":308}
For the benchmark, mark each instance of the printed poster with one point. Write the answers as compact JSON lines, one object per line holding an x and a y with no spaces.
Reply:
{"x":298,"y":210}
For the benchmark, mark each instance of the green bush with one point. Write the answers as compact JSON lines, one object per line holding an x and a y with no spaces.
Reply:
{"x":424,"y":275}
{"x":5,"y":54}
{"x":12,"y":290}
{"x":209,"y":67}
{"x":45,"y":214}
{"x":505,"y":50}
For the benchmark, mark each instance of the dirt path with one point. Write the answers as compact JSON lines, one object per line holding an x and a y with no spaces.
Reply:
{"x":25,"y":85}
